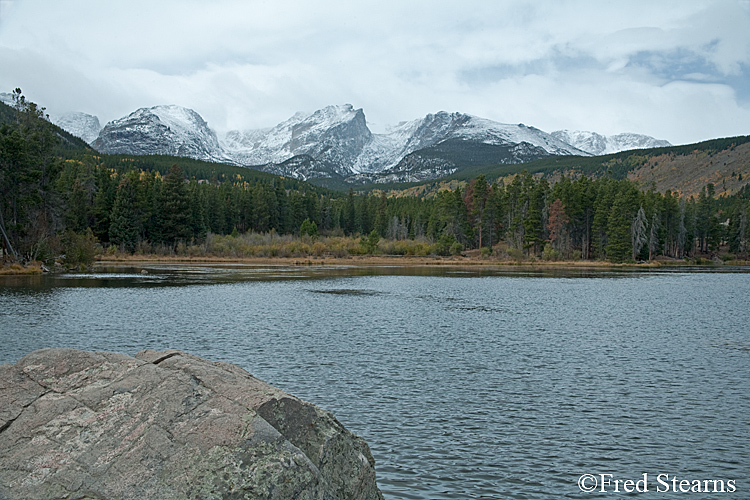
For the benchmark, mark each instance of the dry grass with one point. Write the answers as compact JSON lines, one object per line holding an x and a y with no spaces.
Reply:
{"x":728,"y":170}
{"x":371,"y":260}
{"x":18,"y":269}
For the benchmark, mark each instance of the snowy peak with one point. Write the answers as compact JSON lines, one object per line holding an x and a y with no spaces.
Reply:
{"x":335,"y":141}
{"x":473,"y":128}
{"x":387,"y":150}
{"x":164,"y":130}
{"x":597,"y":144}
{"x":82,"y":125}
{"x":334,"y":134}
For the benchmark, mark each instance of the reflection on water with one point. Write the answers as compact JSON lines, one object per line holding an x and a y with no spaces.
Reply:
{"x":466,"y":383}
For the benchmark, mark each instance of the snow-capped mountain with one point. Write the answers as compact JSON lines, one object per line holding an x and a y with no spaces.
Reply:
{"x":335,"y":142}
{"x":597,"y":144}
{"x":384,"y":152}
{"x":334,"y":135}
{"x":81,"y":125}
{"x":162,"y":130}
{"x":338,"y":140}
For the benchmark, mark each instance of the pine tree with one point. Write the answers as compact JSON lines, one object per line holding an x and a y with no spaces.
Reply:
{"x":348,"y":217}
{"x":534,"y":220}
{"x":176,"y":226}
{"x":30,"y":207}
{"x":124,"y":227}
{"x":619,"y":244}
{"x":638,"y":232}
{"x":477,"y":196}
{"x":556,"y":224}
{"x":653,"y":236}
{"x":155,"y":224}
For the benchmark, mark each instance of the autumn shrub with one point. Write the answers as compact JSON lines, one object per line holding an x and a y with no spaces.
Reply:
{"x":515,"y":253}
{"x":318,"y":248}
{"x":337,"y":247}
{"x":443,"y":245}
{"x":80,"y":248}
{"x":549,"y":253}
{"x":297,"y":249}
{"x":456,"y":248}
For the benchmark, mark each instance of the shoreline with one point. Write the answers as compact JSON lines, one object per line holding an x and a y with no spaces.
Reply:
{"x":470,"y":261}
{"x":397,"y":260}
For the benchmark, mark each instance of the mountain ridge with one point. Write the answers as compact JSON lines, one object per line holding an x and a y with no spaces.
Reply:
{"x":335,"y":142}
{"x":598,"y":144}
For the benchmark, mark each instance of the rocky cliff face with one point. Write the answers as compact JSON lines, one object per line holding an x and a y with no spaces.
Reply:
{"x":161,"y":130}
{"x":81,"y":125}
{"x":335,"y":142}
{"x":167,"y":425}
{"x":332,"y":136}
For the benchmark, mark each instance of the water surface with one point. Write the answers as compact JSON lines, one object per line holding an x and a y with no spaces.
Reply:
{"x":465,"y":383}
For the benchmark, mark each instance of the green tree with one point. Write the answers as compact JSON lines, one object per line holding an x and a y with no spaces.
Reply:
{"x":370,"y":243}
{"x":476,"y":204}
{"x":533,"y":222}
{"x":125,"y":224}
{"x":30,"y":208}
{"x":176,"y":215}
{"x":624,"y":209}
{"x":308,"y":228}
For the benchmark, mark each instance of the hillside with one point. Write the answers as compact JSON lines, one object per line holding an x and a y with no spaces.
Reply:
{"x":74,"y":148}
{"x":67,"y":141}
{"x":728,"y":170}
{"x":684,"y":169}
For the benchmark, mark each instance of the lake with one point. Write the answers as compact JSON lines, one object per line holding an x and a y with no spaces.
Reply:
{"x":466,"y":384}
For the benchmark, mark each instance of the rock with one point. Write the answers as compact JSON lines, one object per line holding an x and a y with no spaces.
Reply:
{"x":167,"y":425}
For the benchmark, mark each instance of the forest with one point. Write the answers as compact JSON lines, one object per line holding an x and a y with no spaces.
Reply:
{"x":67,"y":204}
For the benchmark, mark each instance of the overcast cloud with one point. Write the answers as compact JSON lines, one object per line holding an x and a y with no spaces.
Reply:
{"x":674,"y":70}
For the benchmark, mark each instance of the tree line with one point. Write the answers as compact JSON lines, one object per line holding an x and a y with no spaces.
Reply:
{"x":52,"y":206}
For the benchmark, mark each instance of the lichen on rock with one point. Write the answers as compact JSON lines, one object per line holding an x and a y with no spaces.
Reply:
{"x":167,"y":425}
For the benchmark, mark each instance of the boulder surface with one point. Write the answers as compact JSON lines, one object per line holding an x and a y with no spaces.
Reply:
{"x":167,"y":425}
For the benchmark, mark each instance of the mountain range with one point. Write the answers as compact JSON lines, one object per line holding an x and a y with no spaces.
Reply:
{"x":336,"y":143}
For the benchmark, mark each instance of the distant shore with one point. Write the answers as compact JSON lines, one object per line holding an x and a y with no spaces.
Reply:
{"x":467,"y":260}
{"x":397,"y":260}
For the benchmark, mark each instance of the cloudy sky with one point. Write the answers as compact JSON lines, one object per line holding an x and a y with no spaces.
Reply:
{"x":674,"y":70}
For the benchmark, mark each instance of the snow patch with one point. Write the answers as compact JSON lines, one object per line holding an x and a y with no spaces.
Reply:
{"x":598,"y":144}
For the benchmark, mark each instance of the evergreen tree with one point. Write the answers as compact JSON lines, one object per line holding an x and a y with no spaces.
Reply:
{"x":619,"y":243}
{"x":176,"y":215}
{"x":556,"y":224}
{"x":125,"y":227}
{"x":198,"y":217}
{"x":104,"y":200}
{"x":601,"y":213}
{"x":381,"y":216}
{"x":155,"y":224}
{"x":349,"y":215}
{"x":534,"y":221}
{"x":30,"y":208}
{"x":638,"y":232}
{"x":476,"y":197}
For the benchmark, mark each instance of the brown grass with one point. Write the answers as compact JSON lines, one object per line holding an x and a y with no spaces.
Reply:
{"x":18,"y":269}
{"x":367,"y":260}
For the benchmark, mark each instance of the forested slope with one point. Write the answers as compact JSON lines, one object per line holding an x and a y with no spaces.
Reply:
{"x":59,"y":202}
